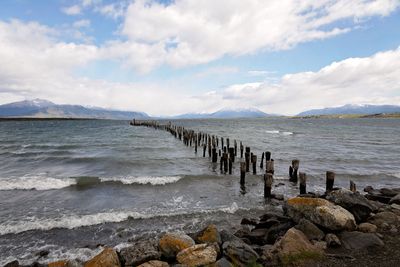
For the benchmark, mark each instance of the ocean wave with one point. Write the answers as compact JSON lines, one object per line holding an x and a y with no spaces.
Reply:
{"x":48,"y":183}
{"x":75,"y":221}
{"x":278,"y":132}
{"x":397,"y":175}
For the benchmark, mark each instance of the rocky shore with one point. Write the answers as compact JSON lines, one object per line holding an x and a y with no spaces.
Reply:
{"x":338,"y":228}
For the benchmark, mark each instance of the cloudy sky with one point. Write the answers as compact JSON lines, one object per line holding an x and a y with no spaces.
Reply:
{"x":169,"y":57}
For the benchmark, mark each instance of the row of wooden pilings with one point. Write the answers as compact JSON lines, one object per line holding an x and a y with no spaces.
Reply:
{"x":221,"y":147}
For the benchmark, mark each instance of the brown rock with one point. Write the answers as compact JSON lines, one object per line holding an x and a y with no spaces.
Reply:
{"x":332,"y":240}
{"x":197,"y":255}
{"x":172,"y":243}
{"x":384,"y":217}
{"x":294,"y":247}
{"x":367,"y":228}
{"x":61,"y":263}
{"x":107,"y":258}
{"x":154,"y":264}
{"x":209,"y":235}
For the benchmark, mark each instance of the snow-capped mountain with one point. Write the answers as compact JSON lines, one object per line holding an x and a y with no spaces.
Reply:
{"x":353,"y":109}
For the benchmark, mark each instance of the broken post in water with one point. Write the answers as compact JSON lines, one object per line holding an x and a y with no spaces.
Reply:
{"x":269,"y":167}
{"x":241,"y":150}
{"x":268,"y":179}
{"x":214,"y":155}
{"x":247,"y":158}
{"x":293,"y":170}
{"x":330,"y":180}
{"x":242,"y":173}
{"x":230,"y":165}
{"x":353,"y":187}
{"x":303,"y":183}
{"x":262,"y":161}
{"x":254,"y":162}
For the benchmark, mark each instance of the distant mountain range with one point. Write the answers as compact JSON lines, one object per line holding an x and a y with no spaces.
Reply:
{"x":226,"y":114}
{"x":353,"y":109}
{"x":39,"y":108}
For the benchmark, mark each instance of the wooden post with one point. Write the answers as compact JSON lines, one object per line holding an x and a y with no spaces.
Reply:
{"x":221,"y":164}
{"x":262,"y":161}
{"x":267,"y":185}
{"x":330,"y":180}
{"x":242,"y":172}
{"x":254,"y":161}
{"x":267,"y":155}
{"x":219,"y":152}
{"x":227,"y":142}
{"x":195,"y":146}
{"x":241,"y":150}
{"x":247,"y":158}
{"x":303,"y":183}
{"x":222,"y":142}
{"x":293,"y":170}
{"x":204,"y":150}
{"x":230,"y":166}
{"x":353,"y":187}
{"x":269,"y":167}
{"x":214,"y":155}
{"x":225,"y":162}
{"x":235,"y":144}
{"x":232,"y":153}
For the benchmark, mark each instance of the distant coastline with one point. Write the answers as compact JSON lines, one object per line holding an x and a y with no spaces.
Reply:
{"x":349,"y":116}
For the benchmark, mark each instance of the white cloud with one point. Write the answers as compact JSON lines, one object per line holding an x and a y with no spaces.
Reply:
{"x":189,"y":32}
{"x":72,"y":10}
{"x":114,"y":10}
{"x":219,"y":70}
{"x":260,"y":73}
{"x":83,"y":23}
{"x":369,"y":80}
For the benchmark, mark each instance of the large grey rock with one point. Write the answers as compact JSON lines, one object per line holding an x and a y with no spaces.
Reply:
{"x":356,"y":203}
{"x":222,"y":262}
{"x":310,"y":230}
{"x":358,"y":240}
{"x":321,"y":212}
{"x":239,"y":253}
{"x":332,"y":240}
{"x":382,"y":218}
{"x":172,"y":243}
{"x":395,"y":199}
{"x":139,"y":253}
{"x":154,"y":264}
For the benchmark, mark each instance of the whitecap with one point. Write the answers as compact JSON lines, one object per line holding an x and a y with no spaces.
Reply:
{"x":152,"y":180}
{"x":34,"y":182}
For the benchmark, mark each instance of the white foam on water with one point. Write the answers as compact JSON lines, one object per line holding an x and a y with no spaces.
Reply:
{"x":49,"y":183}
{"x":152,"y":180}
{"x":278,"y":132}
{"x":397,"y":175}
{"x":74,"y":221}
{"x":34,"y":182}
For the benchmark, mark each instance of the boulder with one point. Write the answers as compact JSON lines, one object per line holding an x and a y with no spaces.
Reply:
{"x":356,"y":203}
{"x":172,"y":243}
{"x":249,"y":221}
{"x":320,"y":244}
{"x":321,"y":212}
{"x":198,"y":255}
{"x":332,"y":240}
{"x":154,"y":264}
{"x":382,"y":218}
{"x":310,"y":230}
{"x":12,"y":264}
{"x":222,"y":262}
{"x":239,"y":253}
{"x":139,"y":253}
{"x":61,"y":263}
{"x":108,"y":257}
{"x":395,"y":199}
{"x":390,"y":192}
{"x":226,"y":236}
{"x":209,"y":235}
{"x":367,"y":228}
{"x":358,"y":240}
{"x":294,"y":247}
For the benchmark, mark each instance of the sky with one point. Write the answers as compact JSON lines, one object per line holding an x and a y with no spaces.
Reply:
{"x":189,"y":56}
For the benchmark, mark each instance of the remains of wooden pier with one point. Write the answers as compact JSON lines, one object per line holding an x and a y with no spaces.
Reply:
{"x":226,"y":153}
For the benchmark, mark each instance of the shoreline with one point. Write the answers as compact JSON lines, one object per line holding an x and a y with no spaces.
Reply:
{"x":354,"y":230}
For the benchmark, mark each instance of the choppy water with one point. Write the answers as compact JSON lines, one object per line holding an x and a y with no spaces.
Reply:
{"x":140,"y":180}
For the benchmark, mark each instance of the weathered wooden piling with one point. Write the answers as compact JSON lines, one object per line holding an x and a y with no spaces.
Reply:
{"x":269,"y":167}
{"x":204,"y":150}
{"x":227,"y":143}
{"x":241,"y":150}
{"x":262,"y":161}
{"x":267,"y":155}
{"x":222,"y":142}
{"x":254,"y":162}
{"x":230,"y":165}
{"x":242,"y":172}
{"x":268,"y":179}
{"x":293,"y":170}
{"x":330,"y":180}
{"x":247,"y":158}
{"x":353,"y":187}
{"x":232,"y":153}
{"x":214,"y":155}
{"x":219,"y":152}
{"x":235,"y":144}
{"x":303,"y":183}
